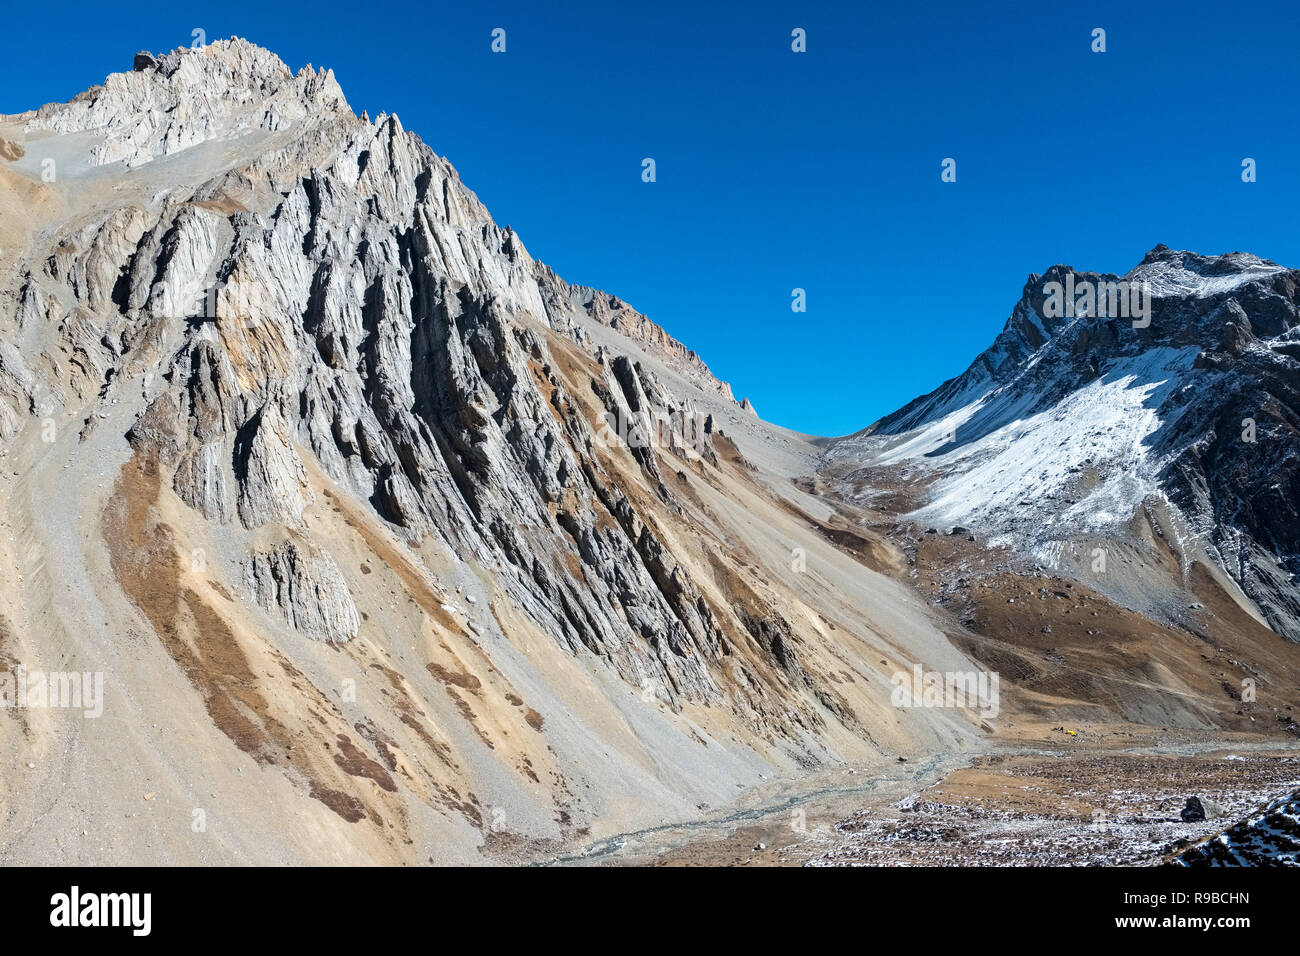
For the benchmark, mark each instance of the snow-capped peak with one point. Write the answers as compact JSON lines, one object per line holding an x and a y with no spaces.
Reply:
{"x":1168,"y":272}
{"x":1068,"y":425}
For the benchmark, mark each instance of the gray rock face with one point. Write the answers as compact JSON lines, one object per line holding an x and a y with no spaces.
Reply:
{"x":189,"y":97}
{"x":336,"y":428}
{"x":304,"y":585}
{"x":1200,"y":808}
{"x":344,"y":298}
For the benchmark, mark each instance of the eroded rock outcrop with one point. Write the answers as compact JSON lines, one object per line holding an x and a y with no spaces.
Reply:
{"x":340,"y":430}
{"x":304,"y":584}
{"x":344,"y":297}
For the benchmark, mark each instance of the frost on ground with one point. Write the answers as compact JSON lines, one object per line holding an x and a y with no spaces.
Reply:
{"x":1067,"y":810}
{"x":1268,"y":837}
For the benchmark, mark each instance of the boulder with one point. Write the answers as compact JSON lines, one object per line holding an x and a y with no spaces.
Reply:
{"x":1199,"y":809}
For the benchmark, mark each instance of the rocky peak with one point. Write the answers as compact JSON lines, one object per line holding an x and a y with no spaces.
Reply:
{"x":1172,"y":273}
{"x":321,"y":305}
{"x":1069,"y":324}
{"x":1149,"y":404}
{"x":190,"y":96}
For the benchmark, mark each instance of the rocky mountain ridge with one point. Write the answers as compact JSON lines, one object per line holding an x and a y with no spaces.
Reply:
{"x":380,"y":509}
{"x":392,"y":546}
{"x":1069,"y":425}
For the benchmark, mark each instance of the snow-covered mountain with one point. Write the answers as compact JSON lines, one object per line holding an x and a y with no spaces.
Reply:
{"x":1071,"y":425}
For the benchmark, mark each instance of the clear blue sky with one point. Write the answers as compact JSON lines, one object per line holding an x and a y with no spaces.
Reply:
{"x":779,"y":170}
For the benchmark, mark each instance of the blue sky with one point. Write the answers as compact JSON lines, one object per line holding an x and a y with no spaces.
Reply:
{"x":779,"y":170}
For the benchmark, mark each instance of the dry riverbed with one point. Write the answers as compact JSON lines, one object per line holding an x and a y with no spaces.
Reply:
{"x":1026,"y":806}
